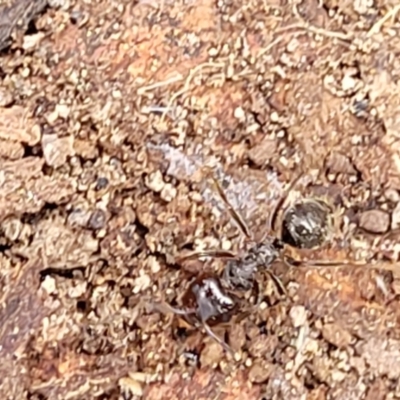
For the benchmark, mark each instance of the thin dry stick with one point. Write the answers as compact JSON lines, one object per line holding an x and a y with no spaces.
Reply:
{"x":333,"y":264}
{"x":319,"y":31}
{"x":377,"y":266}
{"x":189,"y":78}
{"x":378,"y":25}
{"x":280,"y":38}
{"x":270,"y":46}
{"x":156,"y":85}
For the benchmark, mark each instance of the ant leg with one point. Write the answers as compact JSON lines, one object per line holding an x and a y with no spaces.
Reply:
{"x":277,"y":282}
{"x":376,"y":266}
{"x":336,"y":264}
{"x":259,"y":295}
{"x":234,"y":214}
{"x":217,"y":338}
{"x":165,"y":308}
{"x":290,"y":262}
{"x":206,"y":253}
{"x":271,"y":225}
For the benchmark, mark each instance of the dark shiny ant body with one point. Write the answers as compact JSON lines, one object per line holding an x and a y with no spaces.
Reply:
{"x":240,"y":273}
{"x":305,"y":224}
{"x":210,"y":298}
{"x":207,"y":303}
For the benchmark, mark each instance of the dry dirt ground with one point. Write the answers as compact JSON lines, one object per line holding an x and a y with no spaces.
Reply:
{"x":109,"y":111}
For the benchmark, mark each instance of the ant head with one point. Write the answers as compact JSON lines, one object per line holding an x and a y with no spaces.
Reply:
{"x":211,"y":301}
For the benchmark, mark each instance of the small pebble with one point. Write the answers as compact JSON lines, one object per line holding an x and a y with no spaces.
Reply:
{"x":375,"y":221}
{"x":6,"y":97}
{"x":56,"y":150}
{"x":262,"y":152}
{"x":97,"y":220}
{"x":131,"y":386}
{"x":211,"y":354}
{"x":142,"y":282}
{"x":155,"y":182}
{"x":168,"y":192}
{"x":154,"y":265}
{"x":334,"y":334}
{"x":392,"y":195}
{"x":49,"y":285}
{"x":12,"y":228}
{"x":101,"y":183}
{"x":260,"y":372}
{"x":396,"y":217}
{"x":78,"y":217}
{"x":52,"y":117}
{"x":63,"y":111}
{"x":79,"y":18}
{"x":63,"y":4}
{"x":348,"y":83}
{"x":239,"y":113}
{"x":298,"y":314}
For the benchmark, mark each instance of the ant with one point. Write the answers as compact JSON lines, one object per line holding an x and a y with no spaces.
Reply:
{"x":210,"y":298}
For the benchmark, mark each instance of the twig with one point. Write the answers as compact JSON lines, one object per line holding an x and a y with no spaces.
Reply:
{"x":156,"y":85}
{"x":319,"y":31}
{"x":378,"y":25}
{"x":270,"y":46}
{"x":346,"y":38}
{"x":189,"y":78}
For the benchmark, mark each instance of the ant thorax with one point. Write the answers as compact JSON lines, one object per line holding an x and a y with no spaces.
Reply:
{"x":211,"y":299}
{"x":240,"y":273}
{"x":263,"y":254}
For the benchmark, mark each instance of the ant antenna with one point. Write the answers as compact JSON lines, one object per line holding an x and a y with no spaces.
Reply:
{"x":232,"y":211}
{"x":206,"y":253}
